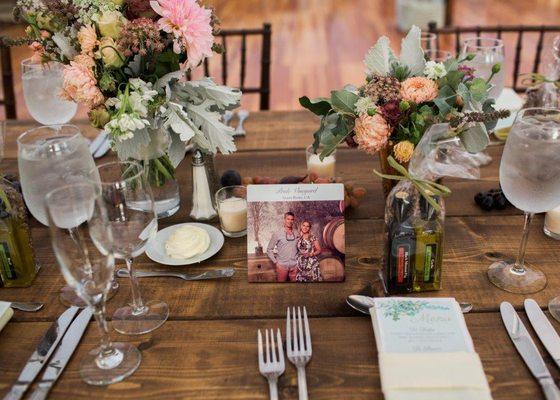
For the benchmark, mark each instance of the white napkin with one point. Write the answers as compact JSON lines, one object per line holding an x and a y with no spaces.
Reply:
{"x":6,"y":313}
{"x":511,"y":101}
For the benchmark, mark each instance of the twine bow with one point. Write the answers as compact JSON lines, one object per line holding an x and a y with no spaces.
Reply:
{"x":427,"y":189}
{"x":534,"y":79}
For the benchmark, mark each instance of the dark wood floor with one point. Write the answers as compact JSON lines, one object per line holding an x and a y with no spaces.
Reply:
{"x":318,"y":45}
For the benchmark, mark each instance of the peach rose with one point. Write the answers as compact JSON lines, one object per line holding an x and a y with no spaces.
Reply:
{"x":85,"y":60}
{"x":87,"y":36}
{"x":80,"y":85}
{"x":372,"y":132}
{"x":419,"y":90}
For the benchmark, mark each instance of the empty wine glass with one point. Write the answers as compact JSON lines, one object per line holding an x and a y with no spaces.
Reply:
{"x":51,"y":157}
{"x":130,"y":208}
{"x":74,"y":212}
{"x":437,"y":55}
{"x":42,"y":85}
{"x":487,"y":52}
{"x":530,"y":179}
{"x":428,"y":41}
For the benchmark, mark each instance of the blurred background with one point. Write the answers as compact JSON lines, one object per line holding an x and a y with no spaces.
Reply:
{"x":318,"y":45}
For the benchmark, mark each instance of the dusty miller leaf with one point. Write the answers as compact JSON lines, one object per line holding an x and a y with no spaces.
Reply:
{"x":378,"y":58}
{"x":411,"y":52}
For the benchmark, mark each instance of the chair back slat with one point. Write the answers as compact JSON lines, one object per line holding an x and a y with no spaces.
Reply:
{"x":265,"y":62}
{"x":537,"y":61}
{"x":9,"y":99}
{"x":499,"y":31}
{"x":224,"y":60}
{"x":206,"y":67}
{"x":243,"y":60}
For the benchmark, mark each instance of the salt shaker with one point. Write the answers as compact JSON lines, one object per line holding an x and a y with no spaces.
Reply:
{"x":202,"y":207}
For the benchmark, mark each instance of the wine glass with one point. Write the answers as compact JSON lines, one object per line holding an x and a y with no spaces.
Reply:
{"x":130,"y":207}
{"x":487,"y":52}
{"x":42,"y":84}
{"x":437,"y":55}
{"x":51,"y":157}
{"x":74,"y":213}
{"x":530,"y":179}
{"x":428,"y":41}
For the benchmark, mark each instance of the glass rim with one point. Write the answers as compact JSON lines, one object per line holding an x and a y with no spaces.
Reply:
{"x":137,"y":175}
{"x":231,"y":187}
{"x":86,"y":183}
{"x":521,"y":113}
{"x":31,"y":63}
{"x":427,"y":35}
{"x":473,"y":42}
{"x":53,"y":128}
{"x":309,"y":149}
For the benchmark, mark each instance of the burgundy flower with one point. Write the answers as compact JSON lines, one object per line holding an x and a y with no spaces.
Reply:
{"x":391,"y":112}
{"x":139,"y":8}
{"x":468,"y":71}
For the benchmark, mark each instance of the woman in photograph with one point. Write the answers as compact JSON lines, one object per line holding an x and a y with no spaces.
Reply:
{"x":308,"y":249}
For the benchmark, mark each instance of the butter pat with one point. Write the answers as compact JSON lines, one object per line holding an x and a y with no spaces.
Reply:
{"x":6,"y":313}
{"x":187,"y":241}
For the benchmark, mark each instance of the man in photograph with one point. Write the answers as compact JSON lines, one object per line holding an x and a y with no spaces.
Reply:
{"x":285,"y":257}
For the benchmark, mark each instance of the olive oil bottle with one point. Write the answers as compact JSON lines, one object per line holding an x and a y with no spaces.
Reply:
{"x":401,"y":243}
{"x":17,"y":261}
{"x":429,"y":248}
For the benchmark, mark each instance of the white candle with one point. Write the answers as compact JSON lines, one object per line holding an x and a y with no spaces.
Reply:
{"x":552,"y":223}
{"x":233,"y":214}
{"x":323,"y":169}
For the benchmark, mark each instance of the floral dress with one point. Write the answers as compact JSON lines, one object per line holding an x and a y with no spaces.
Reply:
{"x":307,"y":267}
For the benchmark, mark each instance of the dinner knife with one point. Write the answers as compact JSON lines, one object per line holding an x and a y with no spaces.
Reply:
{"x":41,"y":354}
{"x":96,"y":143}
{"x":546,"y":332}
{"x":528,"y":351}
{"x":62,"y":355}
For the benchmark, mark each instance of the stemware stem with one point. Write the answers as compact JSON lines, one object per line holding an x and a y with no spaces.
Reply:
{"x":137,"y":303}
{"x":519,"y":266}
{"x":99,"y":314}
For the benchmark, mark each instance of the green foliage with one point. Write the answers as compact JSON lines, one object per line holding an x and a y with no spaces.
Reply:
{"x":166,"y":63}
{"x":399,"y":71}
{"x":319,"y":106}
{"x":343,"y":101}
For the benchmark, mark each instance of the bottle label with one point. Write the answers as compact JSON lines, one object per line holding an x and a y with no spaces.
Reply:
{"x":6,"y":261}
{"x":430,"y":255}
{"x":403,"y":262}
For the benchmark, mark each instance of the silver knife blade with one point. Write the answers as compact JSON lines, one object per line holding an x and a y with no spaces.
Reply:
{"x":60,"y":358}
{"x":546,"y":332}
{"x":523,"y":342}
{"x":95,"y":143}
{"x":103,"y":148}
{"x":41,"y":354}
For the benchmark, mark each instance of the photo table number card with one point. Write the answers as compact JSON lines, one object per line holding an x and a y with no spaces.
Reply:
{"x":295,"y":233}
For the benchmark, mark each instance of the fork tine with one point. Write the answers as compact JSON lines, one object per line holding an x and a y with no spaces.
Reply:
{"x":267,"y":348}
{"x":261,"y":359}
{"x":302,"y":344}
{"x":273,"y":347}
{"x":288,"y":333}
{"x":297,"y":345}
{"x":307,"y":331}
{"x":280,"y":348}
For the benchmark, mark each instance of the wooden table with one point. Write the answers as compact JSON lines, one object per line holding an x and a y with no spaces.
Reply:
{"x":207,"y":349}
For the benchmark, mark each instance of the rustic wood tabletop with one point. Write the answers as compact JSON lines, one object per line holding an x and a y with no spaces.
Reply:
{"x":207,"y":349}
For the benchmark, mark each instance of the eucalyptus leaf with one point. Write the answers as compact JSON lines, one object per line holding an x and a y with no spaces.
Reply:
{"x":479,"y":89}
{"x":344,"y":101}
{"x":475,"y":138}
{"x":333,"y":134}
{"x":318,"y":106}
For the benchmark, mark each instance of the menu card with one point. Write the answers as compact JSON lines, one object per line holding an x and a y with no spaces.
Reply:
{"x":425,"y":350}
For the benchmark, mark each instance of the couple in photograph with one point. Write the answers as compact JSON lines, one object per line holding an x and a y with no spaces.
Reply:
{"x":296,"y":256}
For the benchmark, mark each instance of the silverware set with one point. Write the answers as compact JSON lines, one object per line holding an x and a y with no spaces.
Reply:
{"x":52,"y":353}
{"x":298,"y":349}
{"x":242,"y":115}
{"x":100,"y":145}
{"x":526,"y":347}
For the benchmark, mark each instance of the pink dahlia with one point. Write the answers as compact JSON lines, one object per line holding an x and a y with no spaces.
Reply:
{"x":419,"y":90}
{"x":190,"y":25}
{"x":371,"y":132}
{"x":80,"y":85}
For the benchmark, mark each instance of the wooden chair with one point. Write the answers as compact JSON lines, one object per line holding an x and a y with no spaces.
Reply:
{"x":264,"y":88}
{"x":9,"y":97}
{"x":497,"y":31}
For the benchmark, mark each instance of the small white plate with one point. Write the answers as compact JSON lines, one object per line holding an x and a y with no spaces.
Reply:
{"x":156,"y":247}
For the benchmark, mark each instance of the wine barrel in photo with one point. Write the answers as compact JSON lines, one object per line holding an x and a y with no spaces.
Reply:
{"x":333,"y":235}
{"x":332,"y":267}
{"x":261,"y":269}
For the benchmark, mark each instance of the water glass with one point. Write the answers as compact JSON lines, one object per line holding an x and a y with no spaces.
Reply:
{"x":487,"y":52}
{"x":324,"y":168}
{"x":74,"y":212}
{"x":530,"y":179}
{"x":231,"y":202}
{"x":42,"y":85}
{"x":129,"y":201}
{"x":428,"y":41}
{"x":437,"y":55}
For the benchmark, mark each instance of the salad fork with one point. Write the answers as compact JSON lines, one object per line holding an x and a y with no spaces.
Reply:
{"x":270,"y":365}
{"x":298,"y":345}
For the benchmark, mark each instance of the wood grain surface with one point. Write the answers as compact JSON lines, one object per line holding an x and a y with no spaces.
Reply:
{"x":207,"y":349}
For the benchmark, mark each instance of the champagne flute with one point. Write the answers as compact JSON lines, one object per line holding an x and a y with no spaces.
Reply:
{"x":530,"y":179}
{"x":42,"y":84}
{"x":51,"y":157}
{"x":124,"y":187}
{"x":74,"y":212}
{"x":487,"y":52}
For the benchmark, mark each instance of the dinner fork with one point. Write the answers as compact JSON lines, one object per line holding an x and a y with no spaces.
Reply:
{"x":299,"y":348}
{"x":270,"y":365}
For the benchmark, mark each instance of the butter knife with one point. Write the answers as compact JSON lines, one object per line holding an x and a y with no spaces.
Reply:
{"x":39,"y":357}
{"x":546,"y":332}
{"x":211,"y":274}
{"x":528,"y":351}
{"x":62,"y":355}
